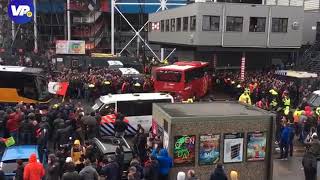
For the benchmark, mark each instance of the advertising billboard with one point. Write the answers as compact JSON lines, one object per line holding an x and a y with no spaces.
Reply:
{"x":209,"y":149}
{"x":184,"y":150}
{"x":256,"y":147}
{"x":233,"y":147}
{"x":70,"y":47}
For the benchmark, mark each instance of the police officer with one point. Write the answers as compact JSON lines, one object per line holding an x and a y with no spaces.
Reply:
{"x":245,"y":97}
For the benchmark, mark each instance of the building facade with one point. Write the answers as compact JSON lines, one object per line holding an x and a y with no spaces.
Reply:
{"x":207,"y":31}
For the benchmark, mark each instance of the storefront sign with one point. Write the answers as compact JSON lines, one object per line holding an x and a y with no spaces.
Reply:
{"x":256,"y":147}
{"x":233,"y":147}
{"x":209,"y":149}
{"x":184,"y":150}
{"x":70,"y":47}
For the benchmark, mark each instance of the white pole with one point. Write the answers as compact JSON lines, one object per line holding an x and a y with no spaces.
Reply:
{"x":163,"y":4}
{"x":112,"y":26}
{"x":138,"y":45}
{"x":68,"y":20}
{"x":161,"y":54}
{"x":35,"y":29}
{"x":13,"y":30}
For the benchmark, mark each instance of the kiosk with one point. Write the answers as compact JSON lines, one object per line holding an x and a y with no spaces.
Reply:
{"x":200,"y":135}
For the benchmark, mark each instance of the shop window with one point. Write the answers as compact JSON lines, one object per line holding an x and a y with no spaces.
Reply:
{"x":234,"y":24}
{"x":162,"y":25}
{"x":193,"y":23}
{"x":185,"y":23}
{"x":178,"y":24}
{"x":280,"y":25}
{"x":257,"y":24}
{"x":318,"y":32}
{"x":173,"y":25}
{"x":210,"y":23}
{"x":167,"y":25}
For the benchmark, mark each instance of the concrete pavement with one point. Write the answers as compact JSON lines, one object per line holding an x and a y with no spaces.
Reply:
{"x":290,"y":169}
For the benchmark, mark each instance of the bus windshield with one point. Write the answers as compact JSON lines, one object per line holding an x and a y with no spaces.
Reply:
{"x":169,"y":76}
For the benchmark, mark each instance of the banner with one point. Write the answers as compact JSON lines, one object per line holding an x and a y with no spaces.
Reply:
{"x":70,"y":47}
{"x":256,"y":147}
{"x":59,"y":88}
{"x":209,"y":149}
{"x":233,"y":148}
{"x":184,"y":150}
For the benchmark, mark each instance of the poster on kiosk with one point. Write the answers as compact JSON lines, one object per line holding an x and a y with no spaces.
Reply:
{"x":209,"y":149}
{"x":184,"y":150}
{"x":256,"y":147}
{"x":233,"y":148}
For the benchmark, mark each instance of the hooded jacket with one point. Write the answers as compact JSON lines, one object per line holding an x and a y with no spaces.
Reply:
{"x":89,"y":173}
{"x":33,"y":170}
{"x":285,"y":135}
{"x":218,"y":174}
{"x":12,"y":124}
{"x":165,"y":161}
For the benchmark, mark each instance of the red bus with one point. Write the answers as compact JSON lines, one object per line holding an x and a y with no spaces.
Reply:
{"x":183,"y":79}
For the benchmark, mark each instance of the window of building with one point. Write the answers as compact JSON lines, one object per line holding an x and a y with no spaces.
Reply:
{"x":234,"y":24}
{"x":318,"y":32}
{"x":162,"y":25}
{"x":178,"y":24}
{"x":167,"y":25}
{"x":185,"y":23}
{"x":173,"y":25}
{"x":193,"y":23}
{"x":279,"y":24}
{"x":210,"y":23}
{"x":257,"y":24}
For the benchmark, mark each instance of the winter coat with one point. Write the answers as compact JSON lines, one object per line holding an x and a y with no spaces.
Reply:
{"x":19,"y":172}
{"x":3,"y":120}
{"x":285,"y":135}
{"x":62,"y":135}
{"x":151,"y":170}
{"x":120,"y":126}
{"x":89,"y":173}
{"x":33,"y":170}
{"x":111,"y":171}
{"x":165,"y":161}
{"x":71,"y":176}
{"x":218,"y":174}
{"x":52,"y":172}
{"x":13,"y":123}
{"x":26,"y":126}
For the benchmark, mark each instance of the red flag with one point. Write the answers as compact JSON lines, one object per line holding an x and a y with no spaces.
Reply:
{"x":59,"y":88}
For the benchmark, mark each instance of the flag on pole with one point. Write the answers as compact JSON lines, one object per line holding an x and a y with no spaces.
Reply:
{"x":59,"y":88}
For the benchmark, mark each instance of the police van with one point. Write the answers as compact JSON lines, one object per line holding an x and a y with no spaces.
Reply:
{"x":136,"y":107}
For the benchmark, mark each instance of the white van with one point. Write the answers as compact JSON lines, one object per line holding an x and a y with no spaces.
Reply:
{"x":136,"y":107}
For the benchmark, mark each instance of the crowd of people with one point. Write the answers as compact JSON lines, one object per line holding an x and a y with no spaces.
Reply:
{"x":95,"y":82}
{"x":296,"y":119}
{"x":64,"y":132}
